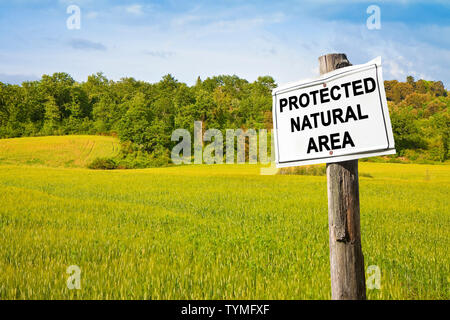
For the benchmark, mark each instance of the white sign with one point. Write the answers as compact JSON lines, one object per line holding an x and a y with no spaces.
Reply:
{"x":342,"y":115}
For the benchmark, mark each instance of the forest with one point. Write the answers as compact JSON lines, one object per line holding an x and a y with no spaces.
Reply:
{"x":144,"y":115}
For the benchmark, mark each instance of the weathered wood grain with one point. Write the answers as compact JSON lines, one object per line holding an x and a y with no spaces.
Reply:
{"x":346,"y":257}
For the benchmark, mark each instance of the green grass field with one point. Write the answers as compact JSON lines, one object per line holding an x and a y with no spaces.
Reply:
{"x":57,"y":151}
{"x":207,"y":232}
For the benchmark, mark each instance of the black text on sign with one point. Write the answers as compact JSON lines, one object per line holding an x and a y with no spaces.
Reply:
{"x":340,"y":116}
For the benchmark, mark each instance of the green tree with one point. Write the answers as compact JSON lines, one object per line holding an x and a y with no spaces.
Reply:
{"x":410,"y":80}
{"x":52,"y":117}
{"x":136,"y":122}
{"x":406,"y":132}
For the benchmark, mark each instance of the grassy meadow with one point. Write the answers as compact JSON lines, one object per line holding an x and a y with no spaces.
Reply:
{"x":206,"y":231}
{"x":57,"y":151}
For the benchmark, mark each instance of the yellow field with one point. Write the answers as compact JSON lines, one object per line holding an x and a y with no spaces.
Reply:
{"x":57,"y":151}
{"x":213,"y":232}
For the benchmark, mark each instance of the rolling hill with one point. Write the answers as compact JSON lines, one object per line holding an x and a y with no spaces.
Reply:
{"x":57,"y":151}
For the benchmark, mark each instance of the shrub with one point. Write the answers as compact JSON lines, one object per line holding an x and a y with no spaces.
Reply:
{"x":365,"y":174}
{"x":141,"y":161}
{"x":103,"y":164}
{"x":316,"y":170}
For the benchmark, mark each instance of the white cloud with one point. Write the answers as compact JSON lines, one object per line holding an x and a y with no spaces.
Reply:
{"x":135,"y":9}
{"x":84,"y":44}
{"x":395,"y":69}
{"x":230,"y":25}
{"x":159,"y":53}
{"x":185,"y":19}
{"x":91,"y":15}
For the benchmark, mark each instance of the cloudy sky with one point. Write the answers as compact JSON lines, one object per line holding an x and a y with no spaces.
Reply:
{"x":148,"y":39}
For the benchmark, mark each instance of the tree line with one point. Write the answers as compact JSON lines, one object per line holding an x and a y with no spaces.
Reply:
{"x":420,"y":119}
{"x":144,"y":115}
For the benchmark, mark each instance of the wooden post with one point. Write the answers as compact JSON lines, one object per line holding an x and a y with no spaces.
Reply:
{"x":346,"y":257}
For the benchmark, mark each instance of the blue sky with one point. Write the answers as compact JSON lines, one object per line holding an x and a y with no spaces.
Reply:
{"x":148,"y":39}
